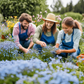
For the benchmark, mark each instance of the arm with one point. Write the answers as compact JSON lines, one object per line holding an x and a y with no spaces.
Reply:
{"x":56,"y":34}
{"x":30,"y":45}
{"x":37,"y":36}
{"x":57,"y":45}
{"x":31,"y":32}
{"x":23,"y":49}
{"x":59,"y":37}
{"x":43,"y":44}
{"x":65,"y":51}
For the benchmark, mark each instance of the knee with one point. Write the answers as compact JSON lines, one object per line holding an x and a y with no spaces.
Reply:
{"x":36,"y":46}
{"x":74,"y":55}
{"x":63,"y":54}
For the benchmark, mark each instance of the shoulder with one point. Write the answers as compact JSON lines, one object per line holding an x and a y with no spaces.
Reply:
{"x":57,"y":29}
{"x":31,"y":25}
{"x":61,"y":32}
{"x":77,"y":32}
{"x":39,"y":27}
{"x":16,"y":25}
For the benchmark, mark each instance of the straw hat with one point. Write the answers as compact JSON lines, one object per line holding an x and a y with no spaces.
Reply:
{"x":50,"y":17}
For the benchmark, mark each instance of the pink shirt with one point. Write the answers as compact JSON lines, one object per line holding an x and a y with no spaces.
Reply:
{"x":31,"y":31}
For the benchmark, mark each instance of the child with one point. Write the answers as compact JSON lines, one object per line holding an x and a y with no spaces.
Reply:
{"x":68,"y":38}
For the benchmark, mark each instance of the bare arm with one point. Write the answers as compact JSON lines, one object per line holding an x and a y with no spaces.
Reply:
{"x":30,"y":45}
{"x":68,"y":51}
{"x":43,"y":44}
{"x":23,"y":49}
{"x":65,"y":51}
{"x":57,"y":45}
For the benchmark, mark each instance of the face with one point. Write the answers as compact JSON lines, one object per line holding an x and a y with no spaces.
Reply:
{"x":66,"y":29}
{"x":49,"y":24}
{"x":24,"y":24}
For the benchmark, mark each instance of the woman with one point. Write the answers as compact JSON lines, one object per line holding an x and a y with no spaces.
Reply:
{"x":68,"y":38}
{"x":47,"y":33}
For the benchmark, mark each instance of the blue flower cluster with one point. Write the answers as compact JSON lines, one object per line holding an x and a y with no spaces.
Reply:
{"x":35,"y":68}
{"x":8,"y":49}
{"x":16,"y":67}
{"x":52,"y":76}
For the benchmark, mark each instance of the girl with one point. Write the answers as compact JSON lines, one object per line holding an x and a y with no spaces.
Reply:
{"x":68,"y":38}
{"x":46,"y":33}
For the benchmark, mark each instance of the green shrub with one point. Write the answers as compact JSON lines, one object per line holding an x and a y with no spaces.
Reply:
{"x":17,"y":7}
{"x":1,"y":18}
{"x":76,"y":16}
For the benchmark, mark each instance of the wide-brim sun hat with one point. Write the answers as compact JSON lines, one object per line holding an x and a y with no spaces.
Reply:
{"x":51,"y":17}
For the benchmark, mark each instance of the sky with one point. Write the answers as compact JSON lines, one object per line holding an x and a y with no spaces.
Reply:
{"x":49,"y":2}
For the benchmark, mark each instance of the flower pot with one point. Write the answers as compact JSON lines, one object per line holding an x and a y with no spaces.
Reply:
{"x":3,"y":37}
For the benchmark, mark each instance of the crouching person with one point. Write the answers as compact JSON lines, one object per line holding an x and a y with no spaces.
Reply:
{"x":68,"y":38}
{"x":46,"y":33}
{"x":23,"y":32}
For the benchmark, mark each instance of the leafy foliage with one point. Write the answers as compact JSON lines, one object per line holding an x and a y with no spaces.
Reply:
{"x":76,"y":16}
{"x":1,"y":18}
{"x":17,"y":7}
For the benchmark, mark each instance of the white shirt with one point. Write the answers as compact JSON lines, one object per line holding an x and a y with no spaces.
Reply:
{"x":76,"y":38}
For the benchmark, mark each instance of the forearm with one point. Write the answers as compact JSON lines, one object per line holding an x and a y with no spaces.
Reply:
{"x":30,"y":45}
{"x":38,"y":42}
{"x":22,"y":48}
{"x":68,"y":51}
{"x":57,"y":45}
{"x":41,"y":43}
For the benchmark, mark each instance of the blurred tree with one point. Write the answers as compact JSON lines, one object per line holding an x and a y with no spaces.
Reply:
{"x":67,"y":8}
{"x":63,"y":10}
{"x":79,"y":7}
{"x":57,"y":5}
{"x":71,"y":6}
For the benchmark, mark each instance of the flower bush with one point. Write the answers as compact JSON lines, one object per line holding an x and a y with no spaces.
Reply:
{"x":1,"y":18}
{"x":35,"y":71}
{"x":11,"y":23}
{"x":37,"y":19}
{"x":4,"y":30}
{"x":8,"y":50}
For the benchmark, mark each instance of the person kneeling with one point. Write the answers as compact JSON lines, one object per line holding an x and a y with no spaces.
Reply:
{"x":68,"y":38}
{"x":22,"y":31}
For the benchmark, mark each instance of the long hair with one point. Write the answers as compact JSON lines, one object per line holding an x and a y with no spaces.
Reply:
{"x":68,"y":21}
{"x":53,"y":28}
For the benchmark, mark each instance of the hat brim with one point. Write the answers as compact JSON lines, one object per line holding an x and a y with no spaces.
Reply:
{"x":50,"y":20}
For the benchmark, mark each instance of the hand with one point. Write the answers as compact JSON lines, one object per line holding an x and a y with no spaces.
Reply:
{"x":43,"y":44}
{"x":26,"y":50}
{"x":58,"y":51}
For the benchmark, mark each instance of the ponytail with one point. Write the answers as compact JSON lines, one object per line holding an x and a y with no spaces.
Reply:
{"x":77,"y":25}
{"x":69,"y":21}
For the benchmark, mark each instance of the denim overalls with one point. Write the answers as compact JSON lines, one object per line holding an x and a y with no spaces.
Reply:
{"x":46,"y":39}
{"x":67,"y":46}
{"x":22,"y":38}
